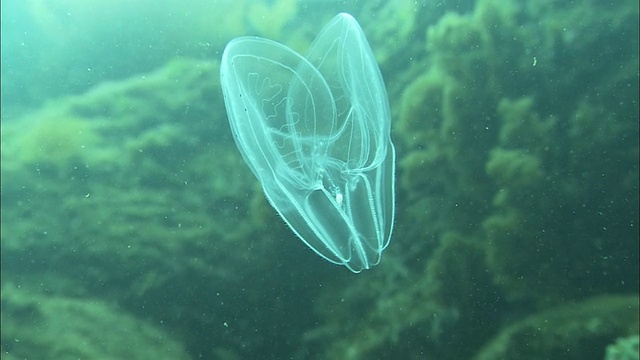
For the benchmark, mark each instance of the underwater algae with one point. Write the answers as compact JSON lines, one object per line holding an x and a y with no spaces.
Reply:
{"x":139,"y":215}
{"x":526,"y":157}
{"x":46,"y":327}
{"x":569,"y":331}
{"x":519,"y":143}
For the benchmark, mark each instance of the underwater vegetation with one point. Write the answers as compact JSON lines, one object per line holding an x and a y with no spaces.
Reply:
{"x":118,"y":193}
{"x":516,"y":130}
{"x":89,"y":335}
{"x":518,"y":159}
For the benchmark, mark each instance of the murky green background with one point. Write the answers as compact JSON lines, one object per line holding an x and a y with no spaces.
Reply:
{"x":132,"y":228}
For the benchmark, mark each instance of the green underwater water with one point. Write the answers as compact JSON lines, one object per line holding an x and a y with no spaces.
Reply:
{"x":131,"y":227}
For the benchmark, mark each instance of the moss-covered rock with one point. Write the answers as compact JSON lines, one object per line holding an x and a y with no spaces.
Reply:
{"x":517,"y":180}
{"x":490,"y":152}
{"x":52,"y":327}
{"x":571,"y":331}
{"x":153,"y":207}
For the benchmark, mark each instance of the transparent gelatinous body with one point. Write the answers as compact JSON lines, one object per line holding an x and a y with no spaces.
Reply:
{"x":316,"y":132}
